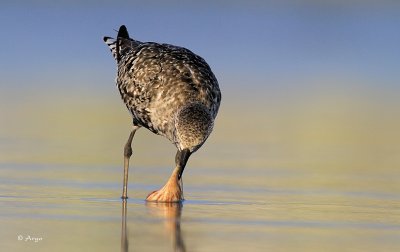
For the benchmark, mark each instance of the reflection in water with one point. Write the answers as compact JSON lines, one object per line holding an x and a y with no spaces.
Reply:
{"x":124,"y":236}
{"x":171,"y":214}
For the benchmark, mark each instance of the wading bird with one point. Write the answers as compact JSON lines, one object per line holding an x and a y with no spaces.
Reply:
{"x":172,"y":92}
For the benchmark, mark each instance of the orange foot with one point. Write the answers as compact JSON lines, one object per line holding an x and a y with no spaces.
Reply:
{"x":171,"y":192}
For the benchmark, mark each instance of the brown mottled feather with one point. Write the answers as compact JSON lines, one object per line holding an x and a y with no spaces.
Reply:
{"x":157,"y":82}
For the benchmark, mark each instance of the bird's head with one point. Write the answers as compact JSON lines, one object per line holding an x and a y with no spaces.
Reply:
{"x":193,"y":125}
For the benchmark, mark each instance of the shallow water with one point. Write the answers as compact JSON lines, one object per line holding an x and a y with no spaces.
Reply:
{"x":77,"y":208}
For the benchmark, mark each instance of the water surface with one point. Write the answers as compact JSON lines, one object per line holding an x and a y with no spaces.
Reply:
{"x":64,"y":208}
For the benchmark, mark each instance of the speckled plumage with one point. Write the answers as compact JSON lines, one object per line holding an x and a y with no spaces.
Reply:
{"x":156,"y":81}
{"x":170,"y":91}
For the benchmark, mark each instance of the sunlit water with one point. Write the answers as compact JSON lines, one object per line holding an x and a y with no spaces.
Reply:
{"x":77,"y":208}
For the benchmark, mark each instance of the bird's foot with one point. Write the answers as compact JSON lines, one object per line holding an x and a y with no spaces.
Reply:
{"x":171,"y":192}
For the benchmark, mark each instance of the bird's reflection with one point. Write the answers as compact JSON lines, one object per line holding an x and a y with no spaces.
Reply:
{"x":124,"y":235}
{"x":169,"y":212}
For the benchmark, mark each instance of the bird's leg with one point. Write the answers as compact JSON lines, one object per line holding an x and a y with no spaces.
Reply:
{"x":172,"y":190}
{"x":127,"y":155}
{"x":181,"y":159}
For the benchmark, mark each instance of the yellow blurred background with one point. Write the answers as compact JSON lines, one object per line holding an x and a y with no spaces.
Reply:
{"x":327,"y":124}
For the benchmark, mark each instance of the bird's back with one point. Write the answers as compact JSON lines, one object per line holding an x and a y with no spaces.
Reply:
{"x":157,"y":80}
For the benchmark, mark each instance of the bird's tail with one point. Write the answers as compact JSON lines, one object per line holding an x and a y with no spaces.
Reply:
{"x":122,"y":44}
